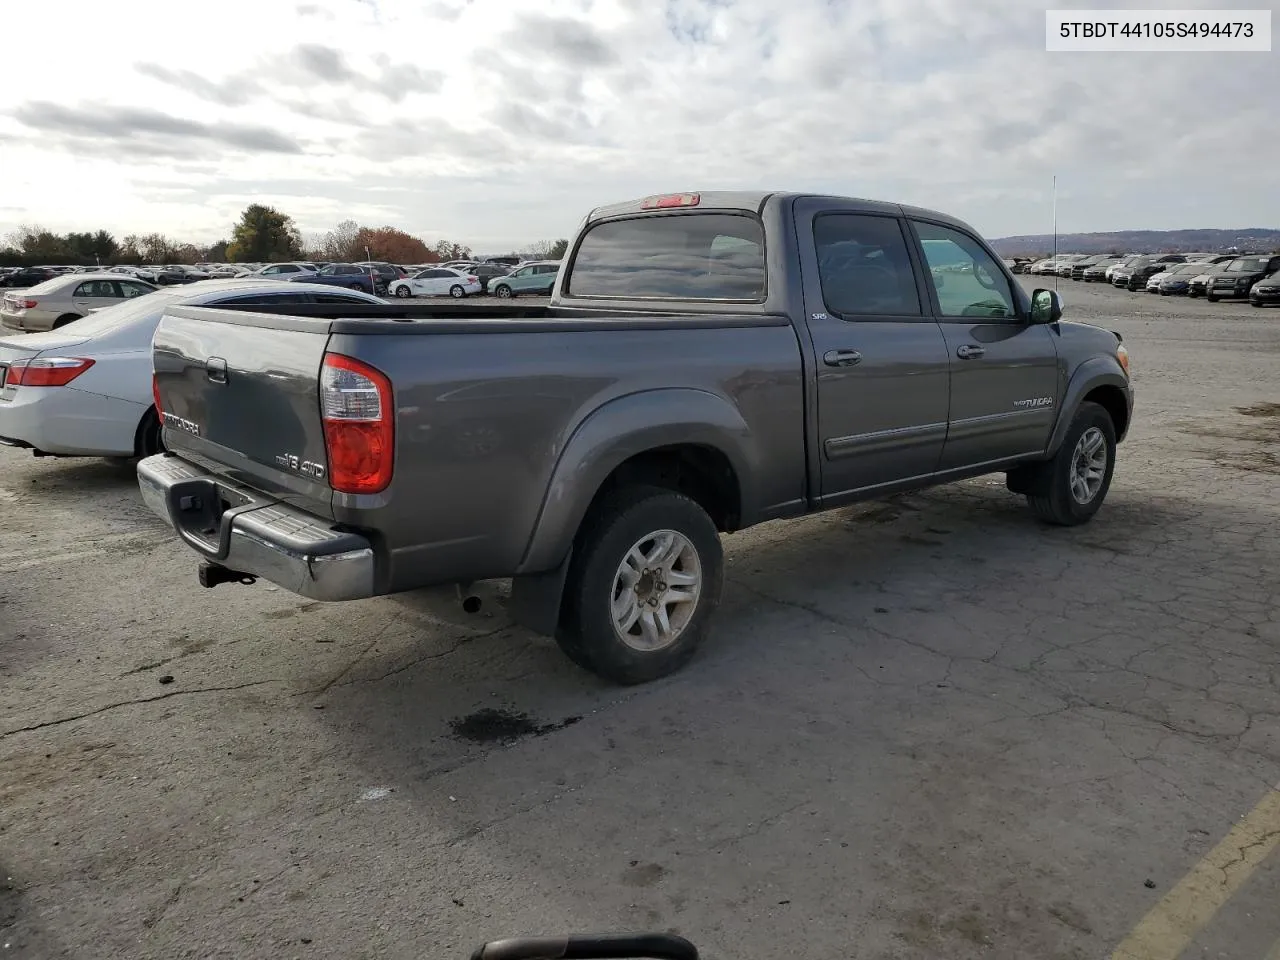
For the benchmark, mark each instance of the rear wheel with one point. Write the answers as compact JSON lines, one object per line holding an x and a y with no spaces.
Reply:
{"x":1211,"y":298}
{"x":645,"y":579}
{"x":150,"y":435}
{"x":1070,"y":488}
{"x":66,"y":318}
{"x":457,"y":292}
{"x":503,"y":292}
{"x":355,"y":286}
{"x":403,"y":292}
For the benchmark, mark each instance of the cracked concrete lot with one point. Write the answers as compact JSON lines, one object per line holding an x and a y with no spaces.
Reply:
{"x":926,"y":727}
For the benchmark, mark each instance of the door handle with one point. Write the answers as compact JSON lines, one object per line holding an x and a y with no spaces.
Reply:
{"x":970,"y":352}
{"x":841,"y":358}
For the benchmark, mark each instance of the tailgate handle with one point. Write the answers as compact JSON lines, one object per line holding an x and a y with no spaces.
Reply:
{"x":215,"y":369}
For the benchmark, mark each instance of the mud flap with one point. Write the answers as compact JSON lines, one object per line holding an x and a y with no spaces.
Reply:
{"x":535,"y":598}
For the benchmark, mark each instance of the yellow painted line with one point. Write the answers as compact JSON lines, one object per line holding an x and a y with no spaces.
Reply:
{"x":1186,"y":909}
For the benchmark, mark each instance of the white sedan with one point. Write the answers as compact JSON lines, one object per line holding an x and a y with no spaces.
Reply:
{"x":436,"y":282}
{"x":84,"y":390}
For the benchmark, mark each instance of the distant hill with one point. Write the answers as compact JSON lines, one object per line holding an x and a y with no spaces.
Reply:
{"x":1248,"y":239}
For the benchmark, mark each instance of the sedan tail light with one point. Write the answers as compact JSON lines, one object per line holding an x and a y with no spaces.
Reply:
{"x":473,"y":279}
{"x":47,"y":371}
{"x":359,"y":424}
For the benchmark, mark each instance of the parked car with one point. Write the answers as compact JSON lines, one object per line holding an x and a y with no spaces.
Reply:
{"x":1077,"y":268}
{"x":385,"y":274}
{"x":1134,"y":276}
{"x":1125,"y":261}
{"x":1266,"y":291}
{"x":436,"y":282}
{"x":66,"y":298}
{"x":1239,"y":275}
{"x":1064,"y":265}
{"x":488,"y":272}
{"x":700,"y":387}
{"x":280,"y":270}
{"x":538,"y":277}
{"x":1041,"y":267}
{"x":28,"y":277}
{"x":1097,"y":273}
{"x":348,"y":275}
{"x":1198,"y":285}
{"x":139,"y":273}
{"x":101,"y":367}
{"x":1176,"y":282}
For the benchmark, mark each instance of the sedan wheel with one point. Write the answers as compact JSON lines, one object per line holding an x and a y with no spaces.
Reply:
{"x":457,"y":292}
{"x":503,"y":292}
{"x":403,"y":292}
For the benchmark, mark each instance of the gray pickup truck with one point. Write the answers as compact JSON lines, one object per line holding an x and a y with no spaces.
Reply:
{"x":707,"y":362}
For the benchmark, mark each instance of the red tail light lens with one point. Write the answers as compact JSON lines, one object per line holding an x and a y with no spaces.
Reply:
{"x":28,"y":304}
{"x":46,"y":371}
{"x":155,"y":397}
{"x":671,"y":200}
{"x":473,"y":279}
{"x":359,"y":424}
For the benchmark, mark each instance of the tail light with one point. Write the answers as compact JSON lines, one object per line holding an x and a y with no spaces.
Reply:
{"x":22,"y":304}
{"x":359,"y":424}
{"x":473,"y":279}
{"x":46,"y":372}
{"x":155,"y":397}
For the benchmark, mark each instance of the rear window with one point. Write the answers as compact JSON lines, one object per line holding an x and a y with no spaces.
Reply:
{"x":703,"y":256}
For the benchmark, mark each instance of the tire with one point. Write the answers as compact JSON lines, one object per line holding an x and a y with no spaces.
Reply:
{"x":644,"y":519}
{"x":503,"y":292}
{"x":1255,"y":303}
{"x":457,"y":292}
{"x":1060,"y":501}
{"x":63,"y":320}
{"x":150,"y":435}
{"x":403,"y":292}
{"x":355,"y":286}
{"x":1211,"y":299}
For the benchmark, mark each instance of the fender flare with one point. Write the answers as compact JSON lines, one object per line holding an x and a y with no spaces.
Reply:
{"x":1093,"y":373}
{"x":620,"y":429}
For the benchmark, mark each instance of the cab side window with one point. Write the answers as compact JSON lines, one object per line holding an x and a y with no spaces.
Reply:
{"x":864,"y":266}
{"x":966,"y":279}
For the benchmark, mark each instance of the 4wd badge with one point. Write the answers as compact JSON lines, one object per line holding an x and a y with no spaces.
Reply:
{"x":305,"y":467}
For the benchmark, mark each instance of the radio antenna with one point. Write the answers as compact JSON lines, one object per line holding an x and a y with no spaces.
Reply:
{"x":1055,"y":231}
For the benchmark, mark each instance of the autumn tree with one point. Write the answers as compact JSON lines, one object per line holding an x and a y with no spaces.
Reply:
{"x":264,"y":233}
{"x":215,"y":253}
{"x":391,"y":244}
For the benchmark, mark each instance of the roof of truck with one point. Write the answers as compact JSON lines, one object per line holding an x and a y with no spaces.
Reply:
{"x":754,"y":200}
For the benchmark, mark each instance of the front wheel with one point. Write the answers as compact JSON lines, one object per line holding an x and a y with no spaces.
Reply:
{"x":645,"y":578}
{"x":503,"y":292}
{"x":403,"y":292}
{"x":457,"y":292}
{"x":1070,"y":488}
{"x":1211,"y":299}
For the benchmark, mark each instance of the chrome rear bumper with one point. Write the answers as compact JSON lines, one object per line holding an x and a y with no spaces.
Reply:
{"x":237,"y":528}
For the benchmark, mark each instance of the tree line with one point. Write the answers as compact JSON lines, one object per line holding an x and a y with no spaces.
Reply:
{"x":263,"y":234}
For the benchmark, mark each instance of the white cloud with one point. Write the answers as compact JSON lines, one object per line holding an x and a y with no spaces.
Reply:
{"x":498,"y":124}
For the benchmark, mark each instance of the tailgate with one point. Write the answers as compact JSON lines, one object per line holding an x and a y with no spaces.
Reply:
{"x":240,"y":395}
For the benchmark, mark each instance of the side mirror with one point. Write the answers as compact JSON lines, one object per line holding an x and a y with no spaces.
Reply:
{"x":1046,"y":306}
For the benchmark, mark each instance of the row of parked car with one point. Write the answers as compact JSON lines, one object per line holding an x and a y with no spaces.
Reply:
{"x":1252,"y":277}
{"x":503,"y":276}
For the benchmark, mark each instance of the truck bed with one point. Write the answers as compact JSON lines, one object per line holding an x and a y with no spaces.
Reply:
{"x":479,"y":429}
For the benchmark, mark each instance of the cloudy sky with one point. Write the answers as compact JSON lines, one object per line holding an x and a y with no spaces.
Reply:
{"x":497,"y":122}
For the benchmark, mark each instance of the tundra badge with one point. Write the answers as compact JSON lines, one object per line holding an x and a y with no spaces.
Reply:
{"x":179,"y":423}
{"x":1034,"y":402}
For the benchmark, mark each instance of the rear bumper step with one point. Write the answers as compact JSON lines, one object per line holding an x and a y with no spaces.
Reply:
{"x":233,"y":527}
